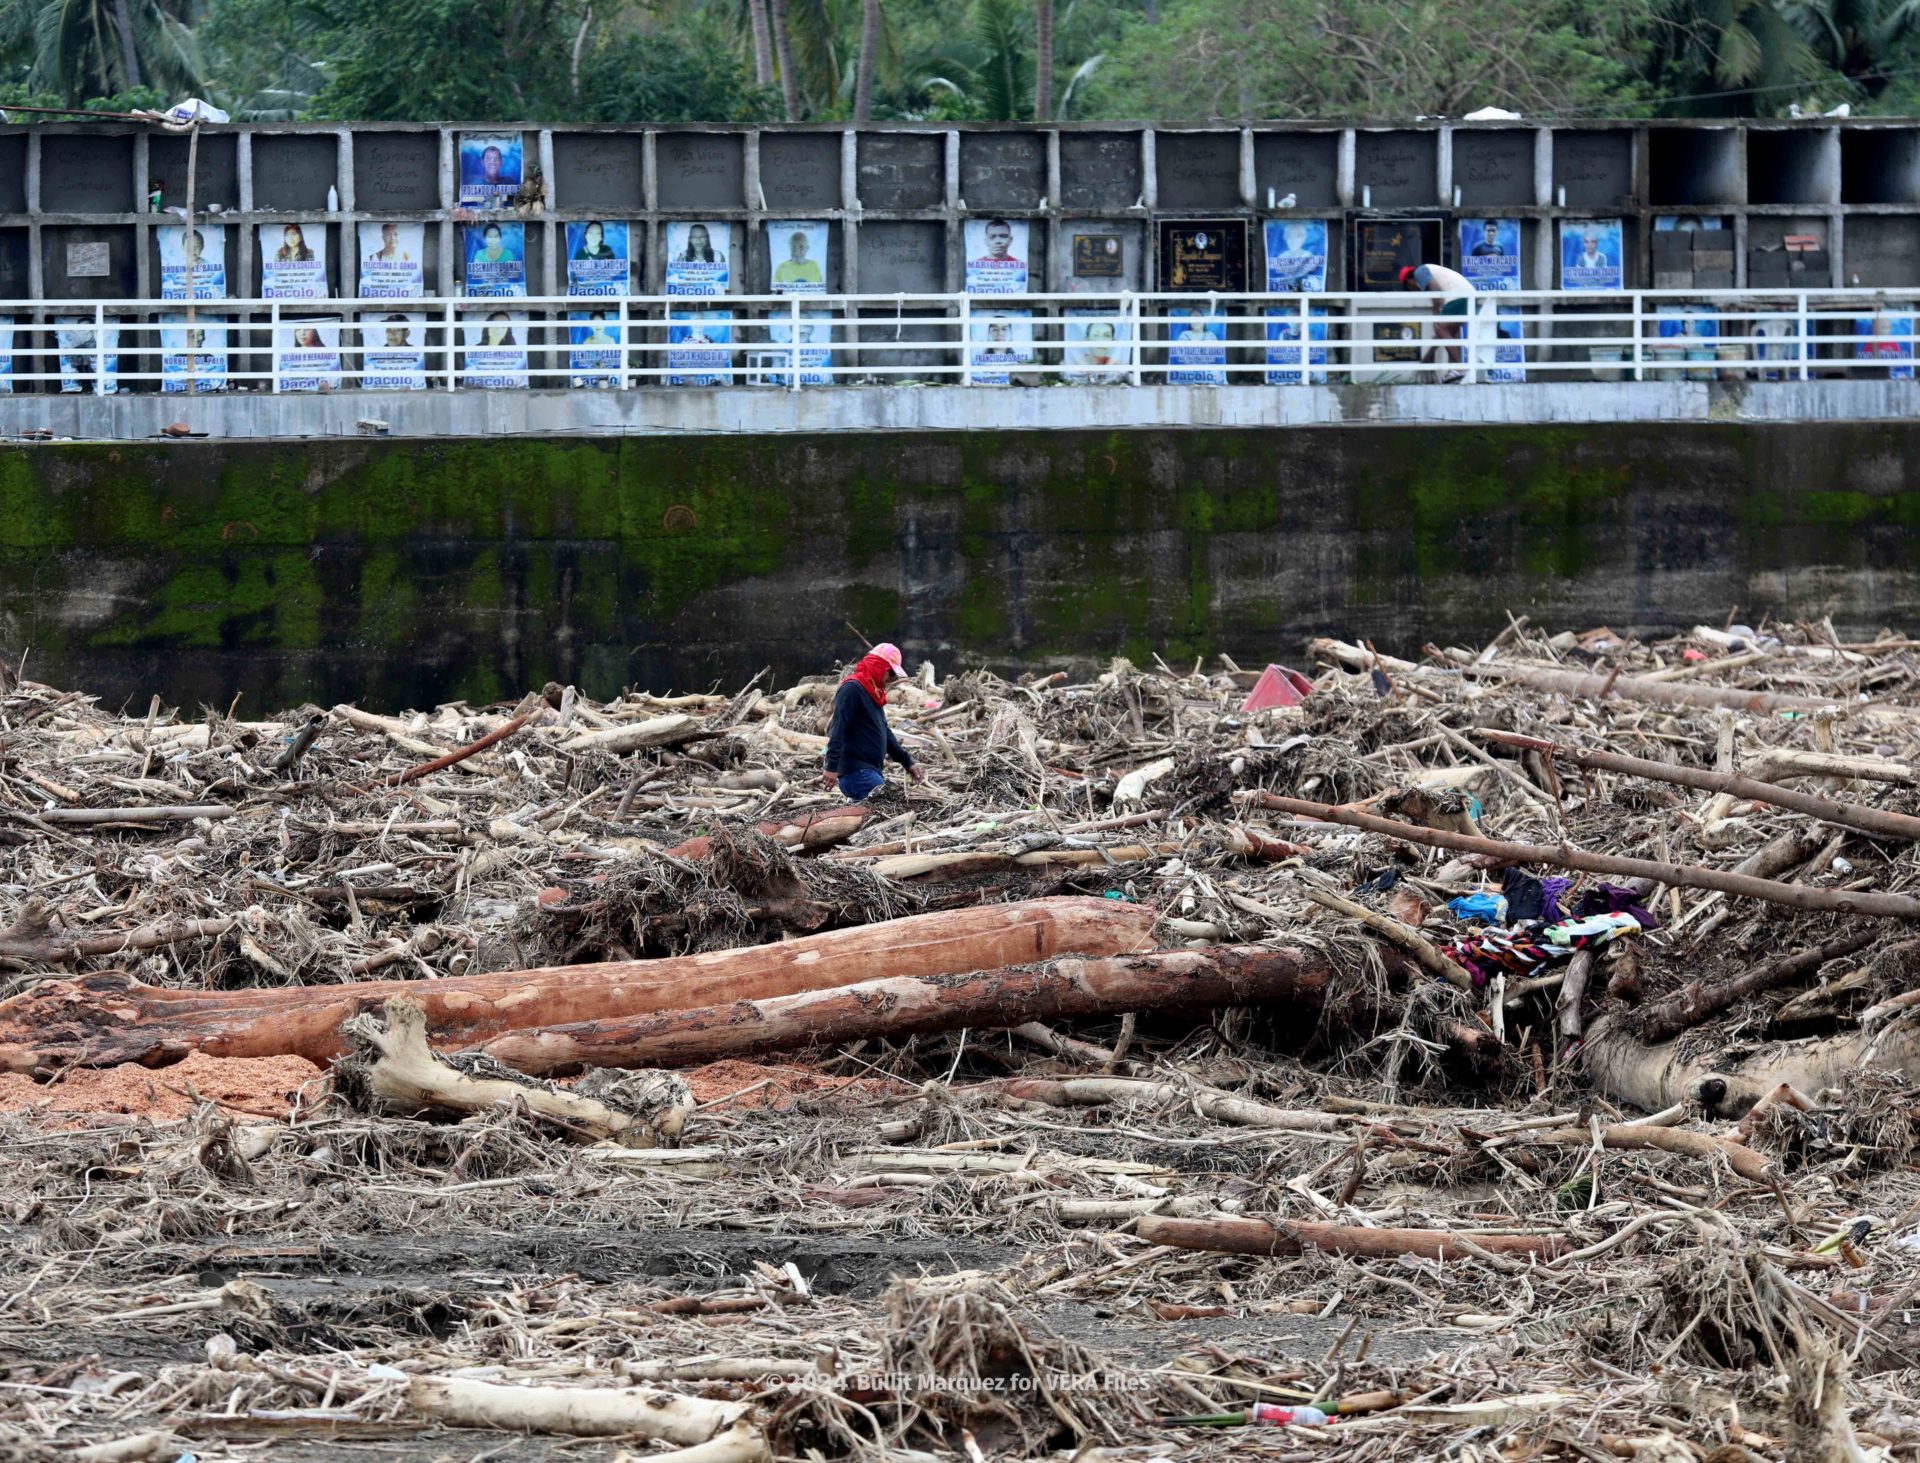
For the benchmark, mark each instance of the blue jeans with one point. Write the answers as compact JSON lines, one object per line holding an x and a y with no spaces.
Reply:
{"x":859,"y":783}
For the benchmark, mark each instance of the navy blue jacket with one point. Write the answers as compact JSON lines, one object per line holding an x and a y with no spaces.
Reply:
{"x":860,"y":736}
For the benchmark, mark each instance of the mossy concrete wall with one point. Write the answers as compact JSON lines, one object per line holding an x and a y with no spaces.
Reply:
{"x":404,"y":572}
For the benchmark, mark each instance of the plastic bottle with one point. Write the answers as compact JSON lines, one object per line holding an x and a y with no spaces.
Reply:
{"x":1270,"y":1414}
{"x":333,"y":199}
{"x":153,"y":198}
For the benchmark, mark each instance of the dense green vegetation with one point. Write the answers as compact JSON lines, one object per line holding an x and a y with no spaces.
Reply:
{"x":969,"y":60}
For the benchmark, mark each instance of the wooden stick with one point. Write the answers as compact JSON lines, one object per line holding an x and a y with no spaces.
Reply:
{"x":1506,"y":769}
{"x":458,"y":754}
{"x":1261,"y":847}
{"x":1727,"y":1083}
{"x":1573,"y":990}
{"x":1747,"y":1163}
{"x":35,"y":949}
{"x":1297,"y":1236}
{"x":1732,"y":784}
{"x":1694,"y":1003}
{"x":809,"y":831}
{"x":659,"y":731}
{"x":1776,"y":762}
{"x":297,"y":748}
{"x":1690,"y":876}
{"x":1221,"y":1106}
{"x":176,"y":814}
{"x":1431,"y":958}
{"x":1579,"y":686}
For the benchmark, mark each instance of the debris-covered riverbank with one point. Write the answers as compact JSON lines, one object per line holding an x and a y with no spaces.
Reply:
{"x":1509,"y":1054}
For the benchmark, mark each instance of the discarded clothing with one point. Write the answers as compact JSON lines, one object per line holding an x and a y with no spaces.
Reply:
{"x":1529,"y":898}
{"x":1492,"y":908}
{"x":1612,"y":899}
{"x":1490,"y":951}
{"x":1593,"y":929}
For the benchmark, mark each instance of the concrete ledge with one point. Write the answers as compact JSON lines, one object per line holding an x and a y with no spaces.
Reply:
{"x":954,"y":409}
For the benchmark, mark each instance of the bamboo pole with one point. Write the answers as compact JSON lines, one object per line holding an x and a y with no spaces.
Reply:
{"x":1689,"y":876}
{"x":1845,"y":815}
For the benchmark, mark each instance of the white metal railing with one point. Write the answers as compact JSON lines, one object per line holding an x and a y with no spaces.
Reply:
{"x":803,"y":343}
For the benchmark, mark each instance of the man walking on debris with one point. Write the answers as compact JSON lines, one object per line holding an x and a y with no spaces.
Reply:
{"x":860,"y":741}
{"x":1457,"y":292}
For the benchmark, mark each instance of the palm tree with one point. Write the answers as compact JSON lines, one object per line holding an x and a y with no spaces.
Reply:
{"x":1857,"y":38}
{"x":90,"y":48}
{"x":869,"y":53}
{"x":762,"y":43}
{"x":1042,"y":60}
{"x":783,"y":46}
{"x":1745,"y":53}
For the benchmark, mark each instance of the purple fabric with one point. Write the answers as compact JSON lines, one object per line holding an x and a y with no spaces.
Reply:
{"x":1612,"y":899}
{"x":1553,"y":889}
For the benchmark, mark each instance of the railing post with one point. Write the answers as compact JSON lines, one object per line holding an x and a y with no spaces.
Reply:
{"x":100,"y":350}
{"x":1639,"y":326}
{"x":966,"y":340}
{"x":620,"y":375}
{"x":273,"y":348}
{"x":1134,"y":349}
{"x":1802,"y":332}
{"x":446,"y":340}
{"x":793,"y":342}
{"x":1306,"y":345}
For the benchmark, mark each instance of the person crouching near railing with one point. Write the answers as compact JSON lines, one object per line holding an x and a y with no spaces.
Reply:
{"x":1454,"y":307}
{"x":859,"y":741}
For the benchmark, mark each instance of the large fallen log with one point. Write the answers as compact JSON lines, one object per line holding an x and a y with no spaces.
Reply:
{"x":1657,"y":1076}
{"x":1066,"y":987}
{"x":1692,"y":876}
{"x":1297,"y":1236}
{"x":107,"y":1018}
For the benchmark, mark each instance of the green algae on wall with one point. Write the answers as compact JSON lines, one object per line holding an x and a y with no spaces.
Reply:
{"x":403,"y":572}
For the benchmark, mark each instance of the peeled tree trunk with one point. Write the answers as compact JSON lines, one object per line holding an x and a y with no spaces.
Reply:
{"x":1653,"y":1076}
{"x":587,"y":1412}
{"x":108,"y":1018}
{"x":1066,"y":987}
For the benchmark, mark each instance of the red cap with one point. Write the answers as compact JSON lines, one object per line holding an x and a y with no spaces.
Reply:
{"x":1406,"y":270}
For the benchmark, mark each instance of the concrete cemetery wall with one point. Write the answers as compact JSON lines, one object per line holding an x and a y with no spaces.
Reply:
{"x":403,"y":572}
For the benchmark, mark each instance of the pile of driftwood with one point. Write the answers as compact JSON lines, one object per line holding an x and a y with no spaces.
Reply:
{"x":1123,"y":913}
{"x":242,"y":888}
